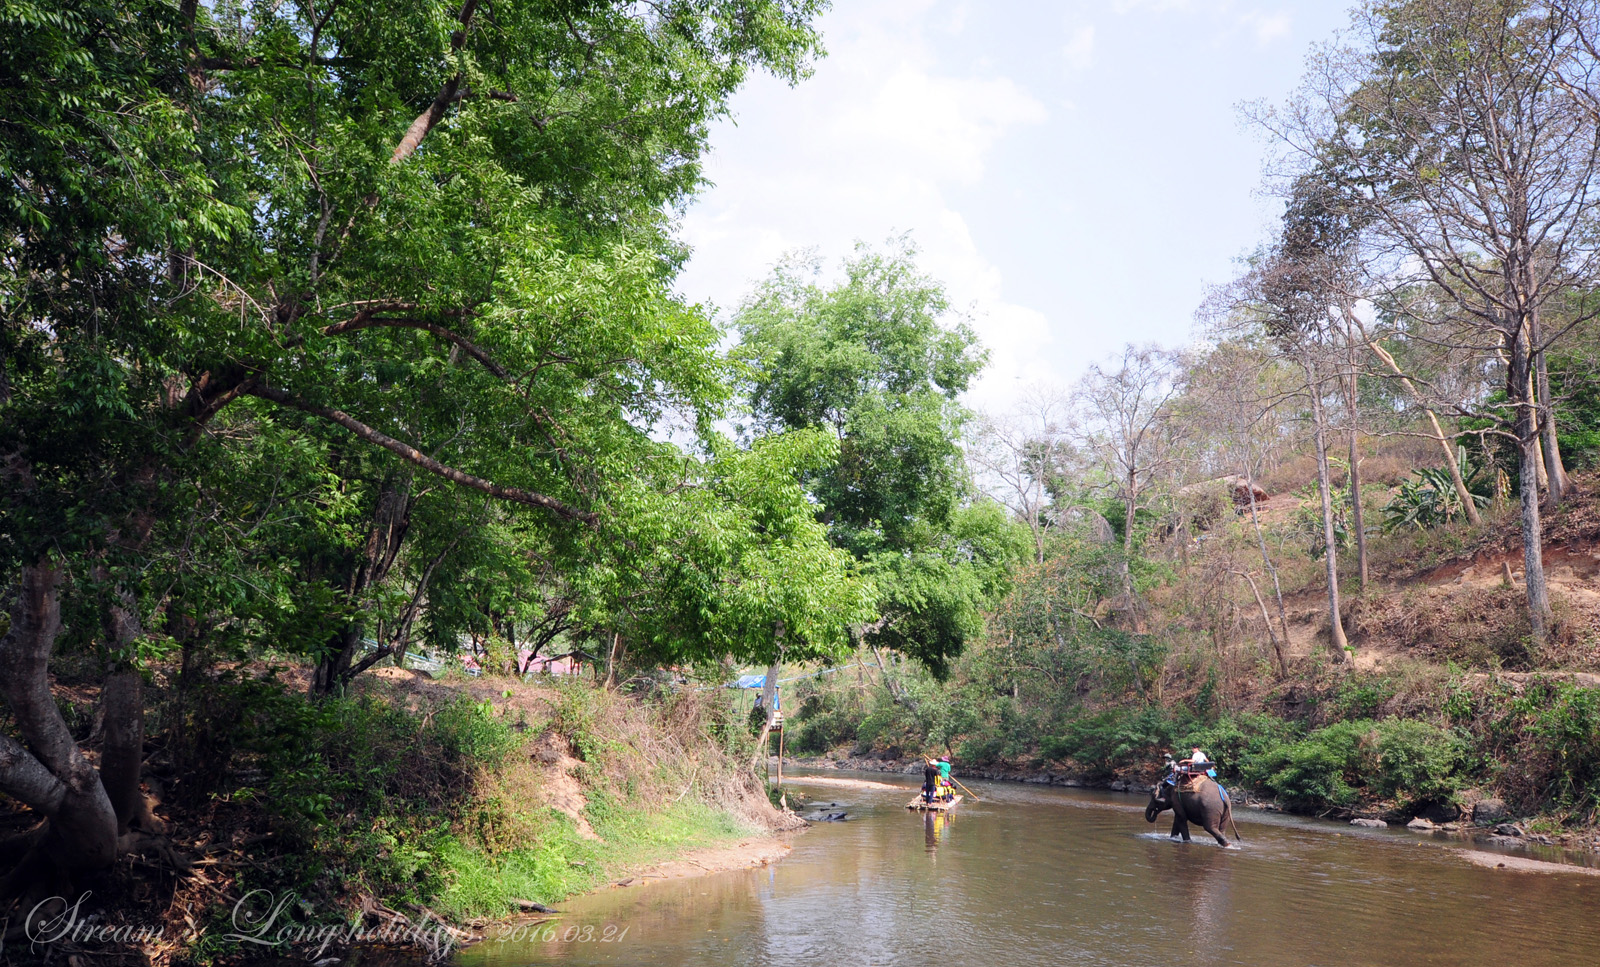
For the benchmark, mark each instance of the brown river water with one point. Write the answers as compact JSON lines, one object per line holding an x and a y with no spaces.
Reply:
{"x":1040,"y":876}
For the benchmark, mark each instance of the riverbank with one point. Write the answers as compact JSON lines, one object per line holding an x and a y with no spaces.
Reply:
{"x":417,"y":811}
{"x":1480,"y":820}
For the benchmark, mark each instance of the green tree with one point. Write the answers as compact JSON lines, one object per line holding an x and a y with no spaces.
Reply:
{"x":876,"y":363}
{"x":403,"y":249}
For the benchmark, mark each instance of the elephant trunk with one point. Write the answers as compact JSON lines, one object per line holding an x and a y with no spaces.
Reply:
{"x":1155,"y":808}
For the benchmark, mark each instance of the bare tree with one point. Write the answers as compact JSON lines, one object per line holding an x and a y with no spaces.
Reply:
{"x":1130,"y":433}
{"x":1235,"y":390}
{"x":1022,"y":458}
{"x":1286,"y":297}
{"x":1359,"y":329}
{"x":1454,"y":137}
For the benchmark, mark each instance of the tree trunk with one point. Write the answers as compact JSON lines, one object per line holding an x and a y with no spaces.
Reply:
{"x":1129,"y":511}
{"x":1539,"y":463}
{"x":1555,"y":472}
{"x":122,"y":703}
{"x":1449,"y":449}
{"x":1261,"y":542}
{"x":50,"y":774}
{"x":611,"y":662}
{"x":769,"y":692}
{"x":1518,"y":387}
{"x":391,"y":521}
{"x":1337,"y":642}
{"x":122,"y":755}
{"x":1357,"y":518}
{"x":1277,"y":644}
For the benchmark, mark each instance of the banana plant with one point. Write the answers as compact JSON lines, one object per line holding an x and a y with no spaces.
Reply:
{"x":1429,"y":498}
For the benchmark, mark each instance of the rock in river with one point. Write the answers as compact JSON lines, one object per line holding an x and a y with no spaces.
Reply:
{"x":1489,"y":811}
{"x":1441,"y":812}
{"x":1370,"y":823}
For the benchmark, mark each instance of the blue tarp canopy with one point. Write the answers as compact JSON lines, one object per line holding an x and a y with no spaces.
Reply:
{"x":750,"y":681}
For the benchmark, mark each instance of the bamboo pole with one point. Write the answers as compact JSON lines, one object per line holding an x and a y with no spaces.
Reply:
{"x":965,"y":789}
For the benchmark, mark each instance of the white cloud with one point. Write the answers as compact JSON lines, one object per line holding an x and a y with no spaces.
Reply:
{"x":1266,"y":27}
{"x":1159,"y":6}
{"x":1079,"y":51}
{"x":874,"y":145}
{"x":933,"y":127}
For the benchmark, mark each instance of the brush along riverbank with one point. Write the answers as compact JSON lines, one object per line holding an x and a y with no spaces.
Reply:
{"x":414,"y":810}
{"x":1508,"y":756}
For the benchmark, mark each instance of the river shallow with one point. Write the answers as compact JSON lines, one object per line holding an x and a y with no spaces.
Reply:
{"x":1036,"y":876}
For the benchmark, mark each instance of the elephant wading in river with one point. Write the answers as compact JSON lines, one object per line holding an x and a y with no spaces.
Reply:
{"x":1200,"y":803}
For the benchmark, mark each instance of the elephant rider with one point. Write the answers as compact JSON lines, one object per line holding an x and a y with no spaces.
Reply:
{"x":1170,"y":780}
{"x":944,"y":778}
{"x":930,"y":779}
{"x":1197,"y":757}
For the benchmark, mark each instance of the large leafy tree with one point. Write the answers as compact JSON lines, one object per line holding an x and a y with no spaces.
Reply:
{"x":879,"y":364}
{"x":404,"y":251}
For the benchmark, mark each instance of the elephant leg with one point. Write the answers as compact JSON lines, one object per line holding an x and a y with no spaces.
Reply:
{"x":1211,"y":827}
{"x":1177,"y":828}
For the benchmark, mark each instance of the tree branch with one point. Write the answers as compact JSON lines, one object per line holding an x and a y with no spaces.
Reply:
{"x":435,"y":113}
{"x":25,"y":779}
{"x":415,"y":456}
{"x":365,"y":320}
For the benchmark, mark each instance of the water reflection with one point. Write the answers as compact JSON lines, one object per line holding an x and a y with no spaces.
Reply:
{"x":1040,"y":876}
{"x":1200,"y":879}
{"x":935,"y":826}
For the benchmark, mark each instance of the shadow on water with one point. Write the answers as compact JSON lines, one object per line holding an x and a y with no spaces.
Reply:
{"x":1036,"y":876}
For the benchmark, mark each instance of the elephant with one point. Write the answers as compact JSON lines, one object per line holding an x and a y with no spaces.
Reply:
{"x":1202,"y":804}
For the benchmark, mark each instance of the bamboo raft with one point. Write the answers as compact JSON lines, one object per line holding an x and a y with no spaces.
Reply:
{"x":936,"y":806}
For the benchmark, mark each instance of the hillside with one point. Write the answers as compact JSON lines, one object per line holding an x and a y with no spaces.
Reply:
{"x":1443,"y":704}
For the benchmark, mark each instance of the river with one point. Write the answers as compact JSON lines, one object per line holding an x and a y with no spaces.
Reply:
{"x":1041,"y":876}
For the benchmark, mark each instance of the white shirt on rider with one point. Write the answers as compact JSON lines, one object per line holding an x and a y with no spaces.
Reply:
{"x":1198,"y":757}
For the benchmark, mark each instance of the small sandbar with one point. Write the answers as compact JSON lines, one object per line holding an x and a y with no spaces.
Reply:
{"x":847,"y":783}
{"x":1523,"y":864}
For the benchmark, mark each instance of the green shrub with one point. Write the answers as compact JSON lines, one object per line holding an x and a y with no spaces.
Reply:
{"x":1237,"y":743}
{"x":1429,"y":497}
{"x":1103,"y":742}
{"x":1314,"y":772}
{"x":1417,"y":761}
{"x":1549,"y":739}
{"x":1348,"y":762}
{"x":825,"y":720}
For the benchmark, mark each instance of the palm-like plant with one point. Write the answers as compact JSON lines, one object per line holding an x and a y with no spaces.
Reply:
{"x":1429,"y":498}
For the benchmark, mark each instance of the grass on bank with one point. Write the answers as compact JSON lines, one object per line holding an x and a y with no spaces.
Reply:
{"x":558,"y":862}
{"x":436,"y":804}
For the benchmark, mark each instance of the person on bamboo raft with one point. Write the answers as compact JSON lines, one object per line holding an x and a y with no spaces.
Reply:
{"x":945,"y":791}
{"x":930,"y":779}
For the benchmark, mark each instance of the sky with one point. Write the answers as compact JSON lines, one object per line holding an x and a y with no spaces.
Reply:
{"x":1077,"y":174}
